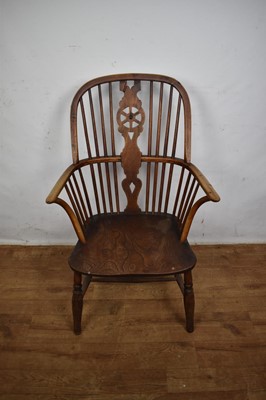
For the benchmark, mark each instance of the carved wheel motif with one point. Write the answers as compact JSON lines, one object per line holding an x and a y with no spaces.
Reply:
{"x":130,"y":115}
{"x":130,"y":118}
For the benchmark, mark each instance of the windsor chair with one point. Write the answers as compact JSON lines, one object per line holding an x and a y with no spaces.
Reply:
{"x":131,"y":192}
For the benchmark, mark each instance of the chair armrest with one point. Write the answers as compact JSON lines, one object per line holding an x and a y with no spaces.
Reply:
{"x":72,"y":185}
{"x":204,"y":183}
{"x":60,"y":184}
{"x":72,"y":212}
{"x":210,"y":195}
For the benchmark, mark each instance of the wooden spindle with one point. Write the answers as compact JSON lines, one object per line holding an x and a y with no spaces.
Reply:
{"x":102,"y":121}
{"x":168,"y":187}
{"x":176,"y":126}
{"x":85,"y":191}
{"x":102,"y":187}
{"x":76,"y":199}
{"x":150,"y":119}
{"x":96,"y":143}
{"x":166,"y":141}
{"x":94,"y":128}
{"x":83,"y":114}
{"x":178,"y":190}
{"x":80,"y":198}
{"x":111,"y":110}
{"x":188,"y":196}
{"x":148,"y":179}
{"x":148,"y":175}
{"x":116,"y":188}
{"x":157,"y":150}
{"x":184,"y":195}
{"x":105,"y":151}
{"x":73,"y":203}
{"x":162,"y":187}
{"x":167,"y":129}
{"x":95,"y":189}
{"x":159,"y":121}
{"x":190,"y":203}
{"x":155,"y":178}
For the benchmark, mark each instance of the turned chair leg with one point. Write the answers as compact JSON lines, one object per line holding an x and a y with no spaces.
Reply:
{"x":77,"y":302}
{"x":189,"y":301}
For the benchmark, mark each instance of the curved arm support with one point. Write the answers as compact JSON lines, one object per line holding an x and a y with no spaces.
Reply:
{"x":75,"y":222}
{"x":74,"y":188}
{"x":190,"y":217}
{"x":210,"y":195}
{"x":54,"y":199}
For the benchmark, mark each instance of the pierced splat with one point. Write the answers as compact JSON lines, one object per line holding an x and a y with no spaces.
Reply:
{"x":130,"y":118}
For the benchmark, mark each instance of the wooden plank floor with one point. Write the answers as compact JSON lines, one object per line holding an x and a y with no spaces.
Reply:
{"x":134,"y":345}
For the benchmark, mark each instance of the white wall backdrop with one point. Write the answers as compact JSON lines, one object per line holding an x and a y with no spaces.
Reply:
{"x":216,"y":48}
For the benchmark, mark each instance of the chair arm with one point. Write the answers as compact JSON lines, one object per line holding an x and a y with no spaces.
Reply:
{"x":73,"y":183}
{"x":60,"y":184}
{"x":53,"y":197}
{"x":210,"y":195}
{"x":204,"y":183}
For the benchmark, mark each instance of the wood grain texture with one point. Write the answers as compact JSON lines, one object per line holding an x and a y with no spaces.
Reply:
{"x":130,"y":118}
{"x":134,"y":346}
{"x":119,"y":245}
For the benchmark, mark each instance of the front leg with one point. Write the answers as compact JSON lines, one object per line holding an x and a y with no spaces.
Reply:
{"x":189,"y":301}
{"x":77,"y":302}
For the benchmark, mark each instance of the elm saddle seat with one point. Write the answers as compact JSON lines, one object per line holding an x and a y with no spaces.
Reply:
{"x":131,"y":192}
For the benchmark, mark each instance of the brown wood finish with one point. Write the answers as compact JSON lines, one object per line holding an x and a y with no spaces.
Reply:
{"x":132,"y":345}
{"x":127,"y":245}
{"x":130,"y":120}
{"x":132,"y":191}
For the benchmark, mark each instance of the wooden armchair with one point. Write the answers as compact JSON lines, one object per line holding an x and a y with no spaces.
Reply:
{"x":131,"y":192}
